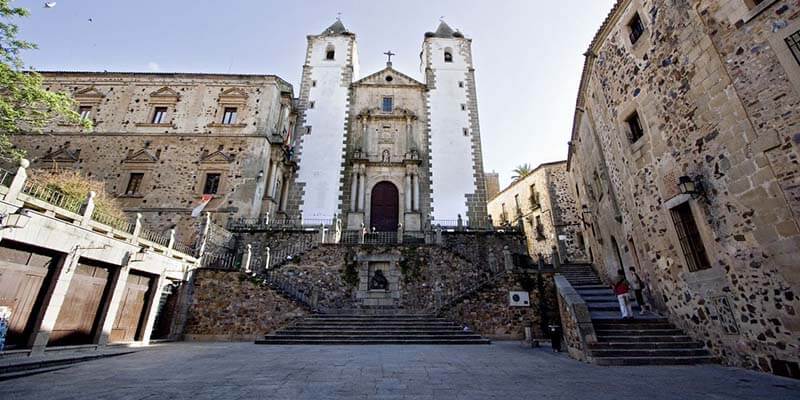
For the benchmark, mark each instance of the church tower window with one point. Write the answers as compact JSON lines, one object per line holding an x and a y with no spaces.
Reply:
{"x":388,"y":104}
{"x":212,"y":183}
{"x":330,"y":53}
{"x":229,"y":116}
{"x":448,"y":55}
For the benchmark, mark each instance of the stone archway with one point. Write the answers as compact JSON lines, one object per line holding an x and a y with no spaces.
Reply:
{"x":384,"y":207}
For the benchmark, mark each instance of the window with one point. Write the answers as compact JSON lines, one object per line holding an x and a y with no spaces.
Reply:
{"x":229,"y":116}
{"x":159,"y":115}
{"x":463,"y":107}
{"x":212,"y":183}
{"x":516,"y":203}
{"x":503,"y":213}
{"x":753,"y":3}
{"x":793,"y":41}
{"x":134,"y":183}
{"x":634,"y":127}
{"x":636,"y":27}
{"x":539,"y":228}
{"x":461,"y":84}
{"x":466,"y":132}
{"x":448,"y":56}
{"x":330,"y":53}
{"x":387,"y":104}
{"x":310,"y":104}
{"x":534,"y":198}
{"x":313,"y":83}
{"x":689,"y":238}
{"x":85,"y":112}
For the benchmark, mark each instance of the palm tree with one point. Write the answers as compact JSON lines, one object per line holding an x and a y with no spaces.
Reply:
{"x":521,"y":171}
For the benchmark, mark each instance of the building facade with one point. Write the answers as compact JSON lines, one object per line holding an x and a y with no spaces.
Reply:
{"x":684,"y":154}
{"x":543,"y":205}
{"x":165,"y":144}
{"x":386,"y":150}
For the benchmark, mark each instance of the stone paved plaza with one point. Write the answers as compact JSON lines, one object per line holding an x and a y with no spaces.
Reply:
{"x":504,"y":370}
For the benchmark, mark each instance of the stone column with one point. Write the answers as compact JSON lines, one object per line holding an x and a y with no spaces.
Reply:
{"x":354,"y":189}
{"x":409,"y":135}
{"x":108,"y":317}
{"x":415,"y":178}
{"x":362,"y":196}
{"x":409,"y":206}
{"x":270,"y":172}
{"x":152,"y":308}
{"x":365,"y":136}
{"x":284,"y":194}
{"x":58,"y":291}
{"x":273,"y":179}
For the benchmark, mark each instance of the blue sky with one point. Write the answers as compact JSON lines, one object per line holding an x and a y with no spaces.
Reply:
{"x":527,"y":53}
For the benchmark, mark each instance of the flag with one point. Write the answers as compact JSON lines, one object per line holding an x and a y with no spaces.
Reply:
{"x":199,"y":209}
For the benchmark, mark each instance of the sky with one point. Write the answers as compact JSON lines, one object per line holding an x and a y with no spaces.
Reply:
{"x":527,"y":53}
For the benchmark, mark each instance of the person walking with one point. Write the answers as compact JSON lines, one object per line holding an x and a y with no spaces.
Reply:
{"x":638,"y":287}
{"x":621,"y":289}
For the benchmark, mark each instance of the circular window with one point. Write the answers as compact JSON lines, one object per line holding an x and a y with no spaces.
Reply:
{"x":389,"y":78}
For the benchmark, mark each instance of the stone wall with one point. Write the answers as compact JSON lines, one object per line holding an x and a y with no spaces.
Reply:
{"x":228,"y":305}
{"x":488,"y":312}
{"x":716,"y":96}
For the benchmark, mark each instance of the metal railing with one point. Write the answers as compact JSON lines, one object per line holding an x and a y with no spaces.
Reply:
{"x":465,"y":289}
{"x":154,"y":237}
{"x":114,"y":222}
{"x":278,"y":223}
{"x":6,"y":177}
{"x":224,"y":260}
{"x":184,"y":248}
{"x":282,"y":284}
{"x":281,"y":256}
{"x":51,"y":196}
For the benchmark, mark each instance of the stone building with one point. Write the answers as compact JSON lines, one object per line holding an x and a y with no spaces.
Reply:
{"x":542,"y":203}
{"x":164,"y":141}
{"x":684,"y":153}
{"x":386,"y":150}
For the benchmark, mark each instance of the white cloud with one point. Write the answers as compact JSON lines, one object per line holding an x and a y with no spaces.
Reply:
{"x":153,"y":66}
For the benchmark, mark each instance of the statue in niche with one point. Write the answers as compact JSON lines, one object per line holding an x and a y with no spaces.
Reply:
{"x":378,"y":281}
{"x":386,"y":156}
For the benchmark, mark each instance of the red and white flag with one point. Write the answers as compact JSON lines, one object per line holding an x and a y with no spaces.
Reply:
{"x":199,"y":209}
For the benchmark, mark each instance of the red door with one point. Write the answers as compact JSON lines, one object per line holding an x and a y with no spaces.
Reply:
{"x":384,"y":207}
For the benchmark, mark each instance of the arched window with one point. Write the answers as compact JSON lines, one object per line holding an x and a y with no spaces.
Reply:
{"x":330,"y":52}
{"x":448,"y":55}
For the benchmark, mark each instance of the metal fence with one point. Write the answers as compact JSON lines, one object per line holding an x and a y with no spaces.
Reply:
{"x":278,"y":223}
{"x":154,"y":237}
{"x":184,"y":248}
{"x":224,"y":260}
{"x":51,"y":196}
{"x":114,"y":222}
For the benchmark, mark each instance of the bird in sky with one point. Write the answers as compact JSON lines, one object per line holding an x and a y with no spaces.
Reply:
{"x":49,"y":4}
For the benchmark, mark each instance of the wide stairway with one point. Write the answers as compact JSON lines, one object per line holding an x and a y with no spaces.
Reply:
{"x":373,"y":329}
{"x":645,"y":340}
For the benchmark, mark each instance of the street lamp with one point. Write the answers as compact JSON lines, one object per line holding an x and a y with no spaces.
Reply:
{"x":692,"y":186}
{"x":18,"y":219}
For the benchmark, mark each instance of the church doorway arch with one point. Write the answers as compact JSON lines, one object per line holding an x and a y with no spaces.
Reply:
{"x":384,"y":207}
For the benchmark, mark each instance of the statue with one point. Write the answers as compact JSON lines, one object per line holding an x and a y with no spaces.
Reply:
{"x":378,"y":281}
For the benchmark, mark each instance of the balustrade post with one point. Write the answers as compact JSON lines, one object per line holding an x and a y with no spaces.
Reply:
{"x":266,"y":264}
{"x":137,"y":228}
{"x":89,"y":209}
{"x":171,"y":242}
{"x":247,"y":257}
{"x":18,"y":182}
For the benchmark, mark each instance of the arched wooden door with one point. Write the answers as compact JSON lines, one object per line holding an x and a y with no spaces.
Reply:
{"x":384,"y":207}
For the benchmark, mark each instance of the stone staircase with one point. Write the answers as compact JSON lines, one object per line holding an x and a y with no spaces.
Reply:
{"x":645,"y":340}
{"x":373,"y":329}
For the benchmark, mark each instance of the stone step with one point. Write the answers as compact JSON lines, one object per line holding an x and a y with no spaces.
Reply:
{"x":288,"y":332}
{"x":290,"y":341}
{"x":644,"y":338}
{"x":585,"y":288}
{"x":375,"y":328}
{"x":615,"y":316}
{"x":644,"y":345}
{"x":377,"y":324}
{"x":655,"y":352}
{"x":641,"y":325}
{"x":376,"y":319}
{"x":391,"y":316}
{"x":669,"y":360}
{"x":638,"y":332}
{"x":339,"y":336}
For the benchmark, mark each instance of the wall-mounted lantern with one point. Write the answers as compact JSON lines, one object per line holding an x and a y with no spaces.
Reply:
{"x":692,"y":186}
{"x":18,"y":219}
{"x":139,"y":255}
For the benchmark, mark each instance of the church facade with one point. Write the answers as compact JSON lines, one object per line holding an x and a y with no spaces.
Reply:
{"x":387,"y":151}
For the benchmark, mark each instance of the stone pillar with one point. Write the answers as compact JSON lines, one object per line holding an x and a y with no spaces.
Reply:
{"x":109,"y":315}
{"x":18,"y":182}
{"x":266,"y":259}
{"x":409,"y":206}
{"x":284,"y":194}
{"x":415,"y":205}
{"x":272,"y":180}
{"x":269,"y":177}
{"x":248,"y":254}
{"x":152,"y":308}
{"x":365,"y":137}
{"x":52,"y":306}
{"x":354,"y":189}
{"x":171,"y":243}
{"x":409,"y":135}
{"x":362,"y":195}
{"x":88,"y":209}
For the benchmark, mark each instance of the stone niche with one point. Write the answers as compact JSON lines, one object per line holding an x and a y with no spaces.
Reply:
{"x":370,"y":293}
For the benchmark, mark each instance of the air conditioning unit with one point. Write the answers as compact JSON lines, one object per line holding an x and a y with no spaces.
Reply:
{"x":519,"y":299}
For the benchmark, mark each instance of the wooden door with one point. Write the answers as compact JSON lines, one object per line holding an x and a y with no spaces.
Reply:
{"x":131,"y":312}
{"x":384,"y":207}
{"x":77,"y":320}
{"x":23,"y":273}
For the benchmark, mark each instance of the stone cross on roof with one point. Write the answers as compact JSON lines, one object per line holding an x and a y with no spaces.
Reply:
{"x":389,"y":54}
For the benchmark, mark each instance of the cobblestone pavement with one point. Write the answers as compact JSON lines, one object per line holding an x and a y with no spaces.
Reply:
{"x":504,"y":370}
